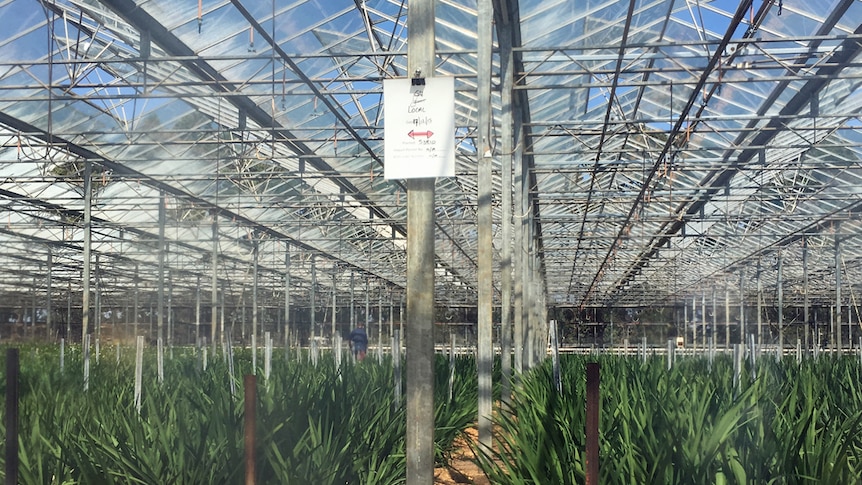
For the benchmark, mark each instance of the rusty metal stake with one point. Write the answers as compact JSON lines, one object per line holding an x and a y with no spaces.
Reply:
{"x":250,"y":385}
{"x":592,"y":456}
{"x":12,"y":369}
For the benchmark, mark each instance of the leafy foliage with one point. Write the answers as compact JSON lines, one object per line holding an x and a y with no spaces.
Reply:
{"x":791,"y":423}
{"x":315,"y":424}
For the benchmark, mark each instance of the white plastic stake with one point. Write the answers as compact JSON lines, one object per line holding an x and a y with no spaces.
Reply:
{"x":160,"y":360}
{"x":396,"y":361}
{"x":670,"y":345}
{"x":139,"y":370}
{"x":267,"y":356}
{"x":86,"y":362}
{"x":254,"y":354}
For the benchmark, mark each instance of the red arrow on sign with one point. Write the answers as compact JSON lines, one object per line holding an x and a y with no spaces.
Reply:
{"x":414,"y":134}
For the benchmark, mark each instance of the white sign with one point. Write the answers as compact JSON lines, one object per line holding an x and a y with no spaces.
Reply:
{"x":419,"y":128}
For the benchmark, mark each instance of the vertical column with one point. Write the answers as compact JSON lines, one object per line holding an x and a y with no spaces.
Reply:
{"x":313,"y":292}
{"x":160,"y":311}
{"x":254,"y":283}
{"x":11,"y":415}
{"x":49,"y":322}
{"x":714,"y":318}
{"x":759,"y":305}
{"x":703,"y":319}
{"x":88,"y":202}
{"x":507,"y":134}
{"x":136,"y":303}
{"x":380,"y":315}
{"x":837,"y":329}
{"x":805,"y":301}
{"x":69,"y":309}
{"x":34,"y":302}
{"x":249,"y":424}
{"x":726,"y":317}
{"x":592,"y":416}
{"x":98,"y":299}
{"x":214,"y":281}
{"x":530,"y":297}
{"x":518,"y":258}
{"x":485,"y":222}
{"x":352,"y":301}
{"x":420,"y":274}
{"x":198,"y":310}
{"x":780,"y":288}
{"x":287,"y":289}
{"x":334,"y":330}
{"x":742,"y":306}
{"x":170,"y":309}
{"x":222,"y":313}
{"x":368,"y":304}
{"x":685,"y":321}
{"x":391,"y":310}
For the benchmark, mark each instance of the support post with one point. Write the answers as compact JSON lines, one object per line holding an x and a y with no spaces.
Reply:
{"x":254,"y":284}
{"x":742,"y":306}
{"x":837,"y":313}
{"x":485,"y":222}
{"x":49,"y":322}
{"x":780,"y":284}
{"x":198,"y":310}
{"x":334,"y":306}
{"x":805,"y":301}
{"x":368,"y":304}
{"x":703,"y":319}
{"x":311,"y":298}
{"x":136,"y":303}
{"x":420,"y":274}
{"x":12,"y":370}
{"x":507,"y":133}
{"x":380,"y":319}
{"x":352,"y":301}
{"x":97,"y":303}
{"x":214,"y":282}
{"x":759,"y":305}
{"x":250,"y":385}
{"x":287,"y":326}
{"x":160,"y":311}
{"x":592,"y":431}
{"x":726,"y":318}
{"x":88,"y":243}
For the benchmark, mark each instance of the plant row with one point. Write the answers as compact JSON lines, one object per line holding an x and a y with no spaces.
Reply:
{"x":317,"y":423}
{"x":782,"y":422}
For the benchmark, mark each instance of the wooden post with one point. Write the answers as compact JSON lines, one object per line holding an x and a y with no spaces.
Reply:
{"x":12,"y":416}
{"x":250,"y":384}
{"x":592,"y":432}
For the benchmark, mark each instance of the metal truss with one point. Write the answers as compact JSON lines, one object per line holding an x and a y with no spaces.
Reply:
{"x":666,"y":150}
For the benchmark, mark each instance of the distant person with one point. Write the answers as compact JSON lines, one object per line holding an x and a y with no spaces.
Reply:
{"x":359,"y":341}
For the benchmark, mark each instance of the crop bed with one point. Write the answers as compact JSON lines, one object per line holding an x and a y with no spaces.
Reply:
{"x":701,"y":421}
{"x":319,"y":423}
{"x":330,"y":421}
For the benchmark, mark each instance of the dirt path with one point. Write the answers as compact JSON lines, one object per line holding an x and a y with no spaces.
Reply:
{"x":462,"y":468}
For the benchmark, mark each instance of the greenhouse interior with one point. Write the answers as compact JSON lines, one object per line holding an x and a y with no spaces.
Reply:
{"x":659,"y":169}
{"x":499,"y":181}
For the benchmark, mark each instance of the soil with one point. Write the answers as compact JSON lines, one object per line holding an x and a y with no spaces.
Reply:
{"x":462,"y":467}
